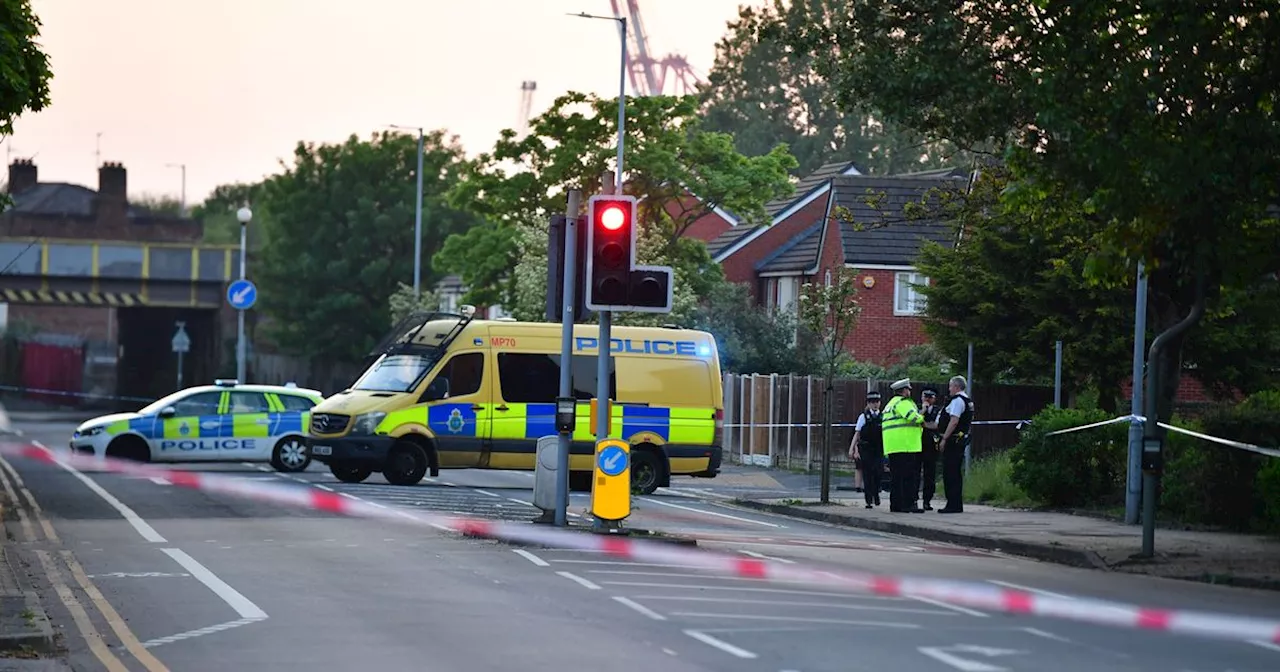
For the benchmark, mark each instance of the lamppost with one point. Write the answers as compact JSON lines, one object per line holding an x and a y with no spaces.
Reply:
{"x":243,"y":215}
{"x":417,"y":218}
{"x":183,"y":166}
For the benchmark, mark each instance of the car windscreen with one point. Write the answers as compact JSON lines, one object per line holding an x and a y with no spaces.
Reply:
{"x":395,"y":373}
{"x":160,"y":404}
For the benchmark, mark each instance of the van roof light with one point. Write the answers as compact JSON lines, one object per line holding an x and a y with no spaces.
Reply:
{"x":468,"y":310}
{"x":291,"y":384}
{"x":226,"y":382}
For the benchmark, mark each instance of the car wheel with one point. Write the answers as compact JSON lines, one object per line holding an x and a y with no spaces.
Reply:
{"x":349,"y":473}
{"x":406,"y":464}
{"x":645,"y":471}
{"x":129,"y":448}
{"x":290,"y":455}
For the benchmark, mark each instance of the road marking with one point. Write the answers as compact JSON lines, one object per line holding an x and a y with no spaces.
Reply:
{"x":49,"y":532}
{"x":581,"y":581}
{"x":137,"y":575}
{"x":530,"y":557}
{"x":159,"y":481}
{"x":640,"y":608}
{"x":1049,"y":635}
{"x":640,"y":584}
{"x":81,"y":618}
{"x":944,"y":605}
{"x":712,"y":513}
{"x":323,"y":487}
{"x":486,"y":492}
{"x":149,"y":533}
{"x":939,"y":653}
{"x":519,"y":501}
{"x":783,"y":603}
{"x":117,"y":624}
{"x":350,"y":496}
{"x":1266,"y":645}
{"x":1029,"y":589}
{"x":627,"y":564}
{"x":797,"y":619}
{"x":264,"y":468}
{"x":719,"y":644}
{"x":199,"y":631}
{"x":27,"y":530}
{"x":239,"y":602}
{"x":762,"y":556}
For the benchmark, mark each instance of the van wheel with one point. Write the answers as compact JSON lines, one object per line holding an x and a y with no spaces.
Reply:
{"x":349,"y":473}
{"x":580,"y":481}
{"x":407,"y":464}
{"x":645,"y":472}
{"x":129,"y":448}
{"x":290,"y":455}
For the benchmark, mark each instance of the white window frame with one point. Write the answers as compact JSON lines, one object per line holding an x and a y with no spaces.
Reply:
{"x":902,"y":282}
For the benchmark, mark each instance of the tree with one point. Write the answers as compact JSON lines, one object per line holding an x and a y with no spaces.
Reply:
{"x":341,"y":237}
{"x":828,"y":314}
{"x":24,"y":67}
{"x":762,"y":92}
{"x":1158,"y":125}
{"x":403,"y":303}
{"x":524,"y":181}
{"x":218,"y":215}
{"x":167,"y":206}
{"x":750,"y":338}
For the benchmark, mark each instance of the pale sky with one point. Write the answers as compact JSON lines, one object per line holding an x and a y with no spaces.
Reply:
{"x":228,"y":87}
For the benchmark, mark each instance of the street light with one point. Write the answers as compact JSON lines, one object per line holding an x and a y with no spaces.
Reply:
{"x":243,"y":215}
{"x":417,"y":219}
{"x":622,"y":89}
{"x":183,"y":166}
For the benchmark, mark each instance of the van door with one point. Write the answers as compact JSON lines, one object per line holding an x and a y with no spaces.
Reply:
{"x":526,"y":407}
{"x":459,"y":411}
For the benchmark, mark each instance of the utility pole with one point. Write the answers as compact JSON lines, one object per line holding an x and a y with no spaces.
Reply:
{"x":417,"y":217}
{"x":97,"y":151}
{"x":1133,"y":481}
{"x":183,"y":166}
{"x":567,"y":313}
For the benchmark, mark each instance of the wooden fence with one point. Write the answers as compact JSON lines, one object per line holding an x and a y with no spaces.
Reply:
{"x":776,"y":420}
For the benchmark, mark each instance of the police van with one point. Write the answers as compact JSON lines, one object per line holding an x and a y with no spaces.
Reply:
{"x":447,"y":391}
{"x":222,"y":422}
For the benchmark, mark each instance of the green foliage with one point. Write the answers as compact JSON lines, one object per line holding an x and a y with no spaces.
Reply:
{"x":668,"y":156}
{"x":920,"y":362}
{"x":24,"y":67}
{"x":1085,"y":468}
{"x":403,"y":303}
{"x":763,"y":93}
{"x":162,"y":205}
{"x":341,"y":238}
{"x":990,"y":481}
{"x":218,"y":214}
{"x":750,"y":338}
{"x":828,"y":314}
{"x":1209,"y":483}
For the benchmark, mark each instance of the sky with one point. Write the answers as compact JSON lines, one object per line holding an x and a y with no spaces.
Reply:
{"x":229,"y":87}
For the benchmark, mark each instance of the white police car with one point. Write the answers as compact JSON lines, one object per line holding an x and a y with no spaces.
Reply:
{"x":222,"y":422}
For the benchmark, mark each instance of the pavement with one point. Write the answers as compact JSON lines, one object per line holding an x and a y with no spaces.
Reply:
{"x":137,"y":573}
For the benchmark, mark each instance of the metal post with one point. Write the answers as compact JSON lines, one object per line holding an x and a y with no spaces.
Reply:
{"x":808,"y":423}
{"x":417,"y":228}
{"x":1133,"y":489}
{"x":240,"y":341}
{"x":179,"y":387}
{"x":968,"y":451}
{"x":622,"y":99}
{"x":1057,"y":375}
{"x":566,"y":348}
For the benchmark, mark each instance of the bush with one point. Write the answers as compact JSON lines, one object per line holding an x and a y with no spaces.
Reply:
{"x":1207,"y":482}
{"x":1084,"y":468}
{"x":990,"y":482}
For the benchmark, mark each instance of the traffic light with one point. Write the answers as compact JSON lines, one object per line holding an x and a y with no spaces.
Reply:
{"x":611,"y":243}
{"x":555,"y":269}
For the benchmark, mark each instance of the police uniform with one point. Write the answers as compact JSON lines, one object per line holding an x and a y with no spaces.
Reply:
{"x":958,"y":405}
{"x":929,"y":449}
{"x":870,"y":451}
{"x":901,"y":430}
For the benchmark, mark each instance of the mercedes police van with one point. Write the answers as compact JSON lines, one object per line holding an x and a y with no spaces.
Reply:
{"x":222,"y":422}
{"x":447,"y":391}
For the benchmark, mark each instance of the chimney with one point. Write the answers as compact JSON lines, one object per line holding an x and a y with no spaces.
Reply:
{"x":112,"y":181}
{"x":22,"y":176}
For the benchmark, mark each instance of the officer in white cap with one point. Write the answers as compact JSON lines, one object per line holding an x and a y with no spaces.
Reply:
{"x":902,"y":430}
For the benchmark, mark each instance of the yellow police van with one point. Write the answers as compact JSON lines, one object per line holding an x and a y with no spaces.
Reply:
{"x":447,"y":391}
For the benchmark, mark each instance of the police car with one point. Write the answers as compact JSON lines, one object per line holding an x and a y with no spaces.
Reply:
{"x":222,"y":422}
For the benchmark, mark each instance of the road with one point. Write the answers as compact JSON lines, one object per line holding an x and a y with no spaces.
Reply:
{"x":141,"y":574}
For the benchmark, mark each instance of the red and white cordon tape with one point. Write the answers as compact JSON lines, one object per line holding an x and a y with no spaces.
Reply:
{"x":973,"y":595}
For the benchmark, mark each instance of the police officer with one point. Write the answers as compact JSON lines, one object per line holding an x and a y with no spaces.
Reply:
{"x":929,"y":450}
{"x":901,"y":430}
{"x":867,"y":449}
{"x":954,"y":423}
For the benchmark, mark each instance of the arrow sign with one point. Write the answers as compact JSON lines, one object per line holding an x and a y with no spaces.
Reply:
{"x":942,"y":655}
{"x":612,"y":461}
{"x":242,"y":294}
{"x":181,"y":341}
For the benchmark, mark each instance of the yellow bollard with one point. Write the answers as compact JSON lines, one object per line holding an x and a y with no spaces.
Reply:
{"x":611,"y":482}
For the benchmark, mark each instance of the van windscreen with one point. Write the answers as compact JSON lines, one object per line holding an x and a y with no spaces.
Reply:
{"x":396,"y":373}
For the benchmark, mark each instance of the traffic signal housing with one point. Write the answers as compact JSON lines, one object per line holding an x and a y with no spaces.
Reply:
{"x":555,"y":269}
{"x":614,"y":282}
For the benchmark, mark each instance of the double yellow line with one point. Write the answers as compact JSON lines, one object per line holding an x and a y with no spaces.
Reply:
{"x":9,"y":480}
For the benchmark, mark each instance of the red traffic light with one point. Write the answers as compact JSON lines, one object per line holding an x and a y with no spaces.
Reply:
{"x":613,"y":217}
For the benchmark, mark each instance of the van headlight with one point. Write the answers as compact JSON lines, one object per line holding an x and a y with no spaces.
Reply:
{"x":366,"y":423}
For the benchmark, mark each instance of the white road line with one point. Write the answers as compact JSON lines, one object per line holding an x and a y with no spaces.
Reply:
{"x":712,"y":513}
{"x":741,"y":589}
{"x":797,"y":619}
{"x":719,"y":644}
{"x":151,"y":643}
{"x":762,"y":556}
{"x":640,"y":608}
{"x":267,"y":469}
{"x":149,"y":533}
{"x":787,"y":603}
{"x":627,"y":564}
{"x":1266,"y":645}
{"x":239,"y":602}
{"x":323,"y":487}
{"x":159,"y":481}
{"x":581,"y":581}
{"x":944,"y":605}
{"x":350,"y":496}
{"x":530,"y":557}
{"x":1047,"y":635}
{"x":519,"y":501}
{"x":1028,"y":589}
{"x":486,"y":492}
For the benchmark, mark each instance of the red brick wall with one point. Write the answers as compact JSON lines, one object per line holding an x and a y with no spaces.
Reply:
{"x":89,"y":323}
{"x":106,"y":226}
{"x":1190,"y":391}
{"x":879,"y":333}
{"x":707,"y":227}
{"x":740,"y":266}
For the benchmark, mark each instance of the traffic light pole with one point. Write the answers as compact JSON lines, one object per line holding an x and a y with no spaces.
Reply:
{"x":566,"y":348}
{"x":603,"y":405}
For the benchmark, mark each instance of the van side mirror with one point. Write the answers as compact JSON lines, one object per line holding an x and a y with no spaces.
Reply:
{"x":168,"y":412}
{"x":438,"y":389}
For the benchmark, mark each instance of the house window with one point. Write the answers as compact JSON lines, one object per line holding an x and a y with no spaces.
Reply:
{"x":907,"y":298}
{"x":788,"y":292}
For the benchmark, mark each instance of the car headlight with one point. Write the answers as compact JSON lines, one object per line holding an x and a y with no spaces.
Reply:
{"x":366,"y":424}
{"x":90,"y":431}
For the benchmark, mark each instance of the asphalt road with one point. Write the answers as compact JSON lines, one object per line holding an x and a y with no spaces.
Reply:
{"x":142,"y":574}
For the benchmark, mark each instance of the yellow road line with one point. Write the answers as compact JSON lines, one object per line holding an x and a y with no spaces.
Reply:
{"x":90,"y":634}
{"x":49,"y":532}
{"x":113,"y":619}
{"x":27,"y":529}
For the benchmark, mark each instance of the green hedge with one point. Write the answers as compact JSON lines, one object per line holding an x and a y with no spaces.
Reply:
{"x":1084,"y":468}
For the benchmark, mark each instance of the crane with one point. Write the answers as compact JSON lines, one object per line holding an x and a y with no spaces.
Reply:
{"x":649,"y":75}
{"x":527,"y":88}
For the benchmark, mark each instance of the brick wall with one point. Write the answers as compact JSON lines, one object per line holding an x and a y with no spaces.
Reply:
{"x":89,"y":323}
{"x":740,"y":266}
{"x":706,"y":227}
{"x":108,"y":225}
{"x":1190,"y":391}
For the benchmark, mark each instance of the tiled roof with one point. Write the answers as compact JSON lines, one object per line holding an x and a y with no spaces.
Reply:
{"x":880,"y":232}
{"x":60,"y":198}
{"x":732,"y":235}
{"x":809,"y":183}
{"x":798,"y":254}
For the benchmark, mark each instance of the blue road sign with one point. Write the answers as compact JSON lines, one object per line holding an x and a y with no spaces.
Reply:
{"x":242,"y":294}
{"x":612,"y":460}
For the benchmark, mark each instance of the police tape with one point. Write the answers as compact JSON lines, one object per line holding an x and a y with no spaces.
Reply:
{"x":66,"y":393}
{"x":1138,"y":419}
{"x":763,"y":425}
{"x":972,"y":595}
